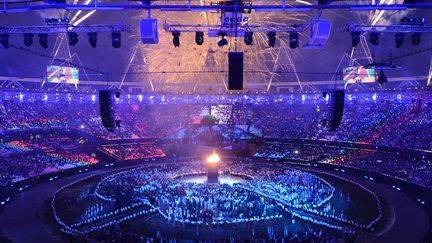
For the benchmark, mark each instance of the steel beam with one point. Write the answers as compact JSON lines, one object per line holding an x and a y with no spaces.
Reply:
{"x":263,"y":84}
{"x":239,"y":27}
{"x":10,"y":8}
{"x":56,"y":29}
{"x":388,"y":28}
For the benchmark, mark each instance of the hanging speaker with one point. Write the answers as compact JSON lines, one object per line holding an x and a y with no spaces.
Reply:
{"x":149,"y":31}
{"x":235,"y":70}
{"x":106,"y":108}
{"x":337,"y":103}
{"x":320,"y":30}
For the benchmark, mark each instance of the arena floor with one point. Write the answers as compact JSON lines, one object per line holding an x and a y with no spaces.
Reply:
{"x":401,"y":215}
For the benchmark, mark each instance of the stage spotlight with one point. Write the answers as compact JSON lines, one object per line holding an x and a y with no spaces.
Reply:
{"x":28,"y":39}
{"x":420,"y":21}
{"x":416,"y":39}
{"x":355,"y":38}
{"x":399,"y":39}
{"x":73,"y":38}
{"x":248,"y":38}
{"x":271,"y":38}
{"x":116,"y":39}
{"x":4,"y":40}
{"x":92,"y":39}
{"x":43,"y":40}
{"x":176,"y":38}
{"x":199,"y":38}
{"x":223,"y":41}
{"x":382,"y":78}
{"x":374,"y":38}
{"x":294,"y":40}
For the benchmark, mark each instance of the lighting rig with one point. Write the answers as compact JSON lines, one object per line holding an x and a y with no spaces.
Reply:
{"x":271,"y":38}
{"x":413,"y":26}
{"x":231,"y":9}
{"x":43,"y":32}
{"x":245,"y":31}
{"x":57,"y":21}
{"x":235,"y":23}
{"x":282,"y":5}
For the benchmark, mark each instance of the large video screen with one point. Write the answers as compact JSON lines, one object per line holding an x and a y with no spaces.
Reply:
{"x":59,"y":74}
{"x":358,"y":75}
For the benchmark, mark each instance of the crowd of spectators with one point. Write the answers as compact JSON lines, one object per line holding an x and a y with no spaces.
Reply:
{"x":10,"y":149}
{"x":19,"y":167}
{"x":137,"y":121}
{"x":266,"y":197}
{"x":414,"y":170}
{"x":36,"y":154}
{"x":418,"y":171}
{"x":295,"y":152}
{"x":195,"y":202}
{"x":75,"y":157}
{"x":389,"y":119}
{"x":133,"y":151}
{"x":54,"y":142}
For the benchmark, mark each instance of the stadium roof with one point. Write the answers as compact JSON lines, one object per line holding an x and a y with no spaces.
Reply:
{"x":156,"y":67}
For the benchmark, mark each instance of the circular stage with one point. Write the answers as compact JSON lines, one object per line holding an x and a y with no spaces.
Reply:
{"x":250,"y":201}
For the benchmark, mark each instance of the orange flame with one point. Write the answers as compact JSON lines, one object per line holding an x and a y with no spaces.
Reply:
{"x":213,"y":158}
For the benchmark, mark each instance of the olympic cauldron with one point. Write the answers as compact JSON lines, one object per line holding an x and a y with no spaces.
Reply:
{"x":213,"y":168}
